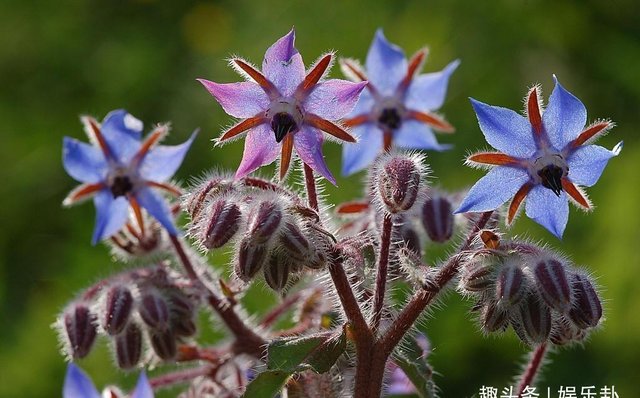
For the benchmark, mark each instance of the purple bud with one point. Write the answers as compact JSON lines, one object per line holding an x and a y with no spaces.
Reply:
{"x":184,"y":327}
{"x":478,"y":277}
{"x":251,"y":257}
{"x":316,"y":261}
{"x":398,"y":183}
{"x":163,"y":343}
{"x":154,"y":310}
{"x":180,"y":305}
{"x":118,"y":306}
{"x":510,"y":287}
{"x":409,"y":238}
{"x":264,"y":220}
{"x":221,"y":224}
{"x":197,"y":199}
{"x":276,"y":272}
{"x":553,"y":285}
{"x":294,"y":241}
{"x":587,"y":308}
{"x":437,"y":219}
{"x":493,"y":318}
{"x":565,"y":332}
{"x":129,"y":346}
{"x":535,"y":319}
{"x":79,"y":323}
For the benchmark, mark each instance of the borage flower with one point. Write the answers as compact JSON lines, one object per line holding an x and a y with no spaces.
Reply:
{"x":121,"y":172}
{"x":78,"y":385}
{"x":283,"y":108}
{"x":543,"y":157}
{"x":397,"y":106}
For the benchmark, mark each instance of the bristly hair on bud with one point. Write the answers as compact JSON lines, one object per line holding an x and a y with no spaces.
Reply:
{"x":77,"y":327}
{"x":398,"y":180}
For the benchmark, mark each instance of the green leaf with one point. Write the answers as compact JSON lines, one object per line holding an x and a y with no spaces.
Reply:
{"x":266,"y":384}
{"x":410,"y":358}
{"x":322,"y":358}
{"x":295,"y":354}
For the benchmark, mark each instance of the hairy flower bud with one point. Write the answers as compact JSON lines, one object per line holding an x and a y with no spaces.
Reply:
{"x":264,"y":220}
{"x":276,"y":272}
{"x":129,"y":346}
{"x":196,"y":201}
{"x":184,"y":327}
{"x":221,"y":224}
{"x":493,"y":319}
{"x":79,"y":325}
{"x":510,"y":287}
{"x":565,"y":332}
{"x":552,"y":283}
{"x":164,"y":344}
{"x":478,"y":277}
{"x":294,"y":241}
{"x":398,"y":183}
{"x":251,"y":257}
{"x":535,"y":318}
{"x":154,"y":310}
{"x":587,"y":308}
{"x":409,"y":238}
{"x":118,"y":307}
{"x":437,"y":218}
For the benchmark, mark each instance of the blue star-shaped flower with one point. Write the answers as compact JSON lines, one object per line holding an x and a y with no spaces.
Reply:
{"x":78,"y":385}
{"x":121,"y":171}
{"x":543,"y":157}
{"x":396,"y":108}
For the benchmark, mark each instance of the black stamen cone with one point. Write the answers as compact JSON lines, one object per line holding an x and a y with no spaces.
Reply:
{"x":390,"y":118}
{"x":121,"y":186}
{"x":283,"y":123}
{"x":551,"y":176}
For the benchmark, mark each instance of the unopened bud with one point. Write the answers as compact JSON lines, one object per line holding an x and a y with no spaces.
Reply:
{"x":164,"y":344}
{"x":294,"y":241}
{"x":251,"y":257}
{"x":565,"y":332}
{"x":221,"y":223}
{"x":317,"y":260}
{"x":478,"y":277}
{"x":184,"y":327}
{"x":180,"y":305}
{"x":196,"y":201}
{"x":510,"y":287}
{"x":154,"y":310}
{"x":536,"y":319}
{"x":264,"y":220}
{"x":553,"y":285}
{"x":587,"y":308}
{"x":276,"y":272}
{"x":118,"y":306}
{"x":129,"y":346}
{"x":437,"y":218}
{"x":410,"y":239}
{"x":493,"y":318}
{"x":398,"y":182}
{"x":79,"y":324}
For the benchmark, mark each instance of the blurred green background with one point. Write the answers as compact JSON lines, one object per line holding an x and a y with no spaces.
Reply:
{"x":62,"y":59}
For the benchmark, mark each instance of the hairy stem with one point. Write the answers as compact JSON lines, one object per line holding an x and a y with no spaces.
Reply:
{"x":310,"y":184}
{"x":381,"y":276}
{"x":533,"y":367}
{"x":178,"y":377}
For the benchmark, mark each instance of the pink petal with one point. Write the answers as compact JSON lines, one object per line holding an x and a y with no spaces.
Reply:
{"x":239,"y":100}
{"x":260,"y":148}
{"x":308,"y":144}
{"x":334,"y":99}
{"x":283,"y":64}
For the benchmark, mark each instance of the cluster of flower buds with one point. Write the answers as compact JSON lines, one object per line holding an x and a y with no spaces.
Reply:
{"x":272,"y":230}
{"x":151,"y":304}
{"x":539,"y":293}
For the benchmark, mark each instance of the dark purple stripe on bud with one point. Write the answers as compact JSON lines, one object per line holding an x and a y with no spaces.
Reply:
{"x":164,"y":344}
{"x":437,"y":219}
{"x":398,"y":184}
{"x":493,"y":318}
{"x":264,"y":220}
{"x":184,"y":327}
{"x":478,"y":278}
{"x":118,"y":306}
{"x":276,"y":273}
{"x":79,"y":324}
{"x":510,"y":287}
{"x":222,"y":224}
{"x":129,"y":346}
{"x":154,"y":310}
{"x":180,"y":305}
{"x":553,"y":285}
{"x":294,"y":241}
{"x":536,"y":319}
{"x":587,"y":307}
{"x":251,"y":257}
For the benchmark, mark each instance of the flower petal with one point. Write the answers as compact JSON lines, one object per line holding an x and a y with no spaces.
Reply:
{"x":260,"y":148}
{"x":143,"y":388}
{"x":163,"y":161}
{"x":155,"y":204}
{"x":361,"y":154}
{"x":333,"y":99}
{"x":241,"y":100}
{"x":548,"y":210}
{"x":283,"y":65}
{"x":123,"y":133}
{"x":78,"y":385}
{"x":491,"y":191}
{"x":111,"y":215}
{"x":364,"y":105}
{"x":83,"y":162}
{"x":587,"y":163}
{"x":308,"y":144}
{"x":505,"y":130}
{"x":427,"y":92}
{"x":565,"y":117}
{"x":416,"y":135}
{"x":386,"y":64}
